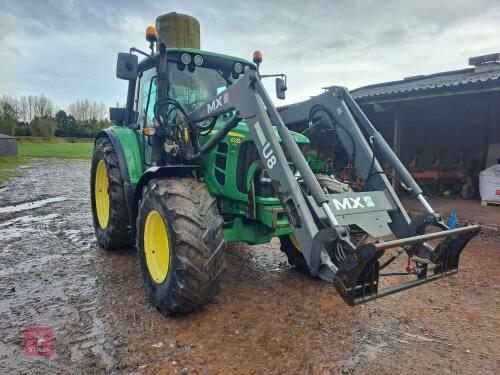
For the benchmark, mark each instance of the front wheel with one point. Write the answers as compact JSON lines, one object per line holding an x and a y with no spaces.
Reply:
{"x":289,"y":244}
{"x":180,"y":244}
{"x":291,"y":247}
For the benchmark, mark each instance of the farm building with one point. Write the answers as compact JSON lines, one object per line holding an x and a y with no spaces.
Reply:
{"x":445,"y":127}
{"x":8,"y":145}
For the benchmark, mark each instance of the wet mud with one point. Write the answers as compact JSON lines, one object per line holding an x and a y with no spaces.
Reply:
{"x":267,"y":319}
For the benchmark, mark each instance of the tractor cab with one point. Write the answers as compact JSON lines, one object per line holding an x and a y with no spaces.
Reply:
{"x":193,"y":77}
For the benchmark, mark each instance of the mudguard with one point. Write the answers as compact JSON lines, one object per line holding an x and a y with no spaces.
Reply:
{"x":124,"y":171}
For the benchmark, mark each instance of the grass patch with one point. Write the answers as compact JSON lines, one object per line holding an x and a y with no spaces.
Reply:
{"x":25,"y":139}
{"x":8,"y":167}
{"x":57,"y":149}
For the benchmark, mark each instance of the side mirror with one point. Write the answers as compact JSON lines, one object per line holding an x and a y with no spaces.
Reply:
{"x":117,"y":115}
{"x":280,"y":88}
{"x":126,"y":66}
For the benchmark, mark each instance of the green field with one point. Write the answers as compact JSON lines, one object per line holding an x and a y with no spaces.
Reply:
{"x":58,"y":149}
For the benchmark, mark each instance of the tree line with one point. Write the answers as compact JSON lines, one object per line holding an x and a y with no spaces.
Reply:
{"x":36,"y":115}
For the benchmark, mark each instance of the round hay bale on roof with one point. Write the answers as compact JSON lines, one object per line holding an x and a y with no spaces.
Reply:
{"x":178,"y":31}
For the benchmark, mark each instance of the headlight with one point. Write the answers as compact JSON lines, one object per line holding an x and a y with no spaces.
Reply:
{"x":238,"y":67}
{"x":186,"y":58}
{"x":247,"y":69}
{"x":198,"y":60}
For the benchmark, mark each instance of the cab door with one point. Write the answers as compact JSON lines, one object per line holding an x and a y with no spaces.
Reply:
{"x":145,"y":101}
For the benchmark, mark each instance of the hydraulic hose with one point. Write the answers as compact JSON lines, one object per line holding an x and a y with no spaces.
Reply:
{"x":216,"y":138}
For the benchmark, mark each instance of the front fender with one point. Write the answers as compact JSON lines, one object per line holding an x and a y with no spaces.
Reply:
{"x":182,"y":170}
{"x":124,"y":142}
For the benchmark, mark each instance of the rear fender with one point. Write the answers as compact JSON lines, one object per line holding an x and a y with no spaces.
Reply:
{"x":123,"y":166}
{"x":115,"y":141}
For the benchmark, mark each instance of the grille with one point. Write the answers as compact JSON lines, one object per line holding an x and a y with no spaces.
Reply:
{"x":247,"y":155}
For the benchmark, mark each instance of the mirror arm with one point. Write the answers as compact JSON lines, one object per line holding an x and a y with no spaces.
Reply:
{"x":274,"y":75}
{"x":133,"y":49}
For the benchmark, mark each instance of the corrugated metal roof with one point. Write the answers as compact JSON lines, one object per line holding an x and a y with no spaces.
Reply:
{"x":6,"y":136}
{"x":452,"y":79}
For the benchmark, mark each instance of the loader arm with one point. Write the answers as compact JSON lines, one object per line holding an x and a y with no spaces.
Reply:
{"x":321,"y":221}
{"x":251,"y":103}
{"x":338,"y":104}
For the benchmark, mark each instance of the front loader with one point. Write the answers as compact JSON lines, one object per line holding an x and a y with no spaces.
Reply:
{"x":200,"y":156}
{"x":372,"y":205}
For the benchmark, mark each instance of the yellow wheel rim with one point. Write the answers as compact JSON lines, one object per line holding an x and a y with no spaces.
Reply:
{"x":102,"y":194}
{"x":295,"y":242}
{"x":156,"y":246}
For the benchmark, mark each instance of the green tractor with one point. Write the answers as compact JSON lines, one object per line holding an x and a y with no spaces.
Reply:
{"x":181,"y":215}
{"x":200,"y":157}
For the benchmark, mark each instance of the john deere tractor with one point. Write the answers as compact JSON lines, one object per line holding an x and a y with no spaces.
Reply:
{"x":200,"y":157}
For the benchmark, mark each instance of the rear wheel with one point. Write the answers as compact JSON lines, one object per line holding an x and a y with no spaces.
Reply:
{"x":180,"y":244}
{"x":109,"y":206}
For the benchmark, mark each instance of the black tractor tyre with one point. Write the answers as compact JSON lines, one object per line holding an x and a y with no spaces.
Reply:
{"x":117,"y":234}
{"x":332,"y":184}
{"x":294,"y":255}
{"x":196,"y":245}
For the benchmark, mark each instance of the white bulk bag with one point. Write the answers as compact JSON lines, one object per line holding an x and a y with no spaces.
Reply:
{"x":489,"y":184}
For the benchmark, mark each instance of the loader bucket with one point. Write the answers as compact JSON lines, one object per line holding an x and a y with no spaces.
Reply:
{"x":359,"y":274}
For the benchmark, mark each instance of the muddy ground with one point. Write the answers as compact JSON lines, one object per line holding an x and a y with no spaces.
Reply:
{"x":268,"y":319}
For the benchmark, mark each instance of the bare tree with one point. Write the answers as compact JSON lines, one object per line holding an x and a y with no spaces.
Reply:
{"x":31,"y":106}
{"x":43,"y":106}
{"x":9,"y":107}
{"x":85,"y":110}
{"x":26,"y":109}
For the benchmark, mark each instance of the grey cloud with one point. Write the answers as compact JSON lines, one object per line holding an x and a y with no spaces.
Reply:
{"x":83,"y":37}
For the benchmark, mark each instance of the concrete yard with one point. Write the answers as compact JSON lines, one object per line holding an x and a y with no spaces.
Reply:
{"x":268,"y":318}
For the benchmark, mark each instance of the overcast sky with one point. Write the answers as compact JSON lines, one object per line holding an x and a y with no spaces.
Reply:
{"x":67,"y":49}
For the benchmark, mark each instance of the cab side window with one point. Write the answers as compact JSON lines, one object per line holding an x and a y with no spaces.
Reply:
{"x":149,"y":106}
{"x":147,"y":94}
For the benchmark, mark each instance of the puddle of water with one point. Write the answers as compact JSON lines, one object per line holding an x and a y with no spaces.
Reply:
{"x":31,"y":205}
{"x":30,"y":264}
{"x":94,"y":341}
{"x":23,"y":226}
{"x":22,"y":220}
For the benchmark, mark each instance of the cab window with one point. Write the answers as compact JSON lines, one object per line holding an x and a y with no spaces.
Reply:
{"x":147,"y":98}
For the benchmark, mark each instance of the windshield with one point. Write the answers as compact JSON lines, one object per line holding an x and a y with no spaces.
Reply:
{"x":192,"y":88}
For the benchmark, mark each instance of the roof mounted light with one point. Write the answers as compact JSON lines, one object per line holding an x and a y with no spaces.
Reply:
{"x":186,"y":58}
{"x":151,"y":37}
{"x":257,"y":57}
{"x":238,"y":67}
{"x":151,"y":34}
{"x":198,"y":60}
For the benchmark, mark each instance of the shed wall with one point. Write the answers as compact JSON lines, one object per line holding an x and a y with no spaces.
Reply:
{"x":8,"y":147}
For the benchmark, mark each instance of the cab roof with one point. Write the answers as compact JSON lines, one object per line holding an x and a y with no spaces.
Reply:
{"x":146,"y":63}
